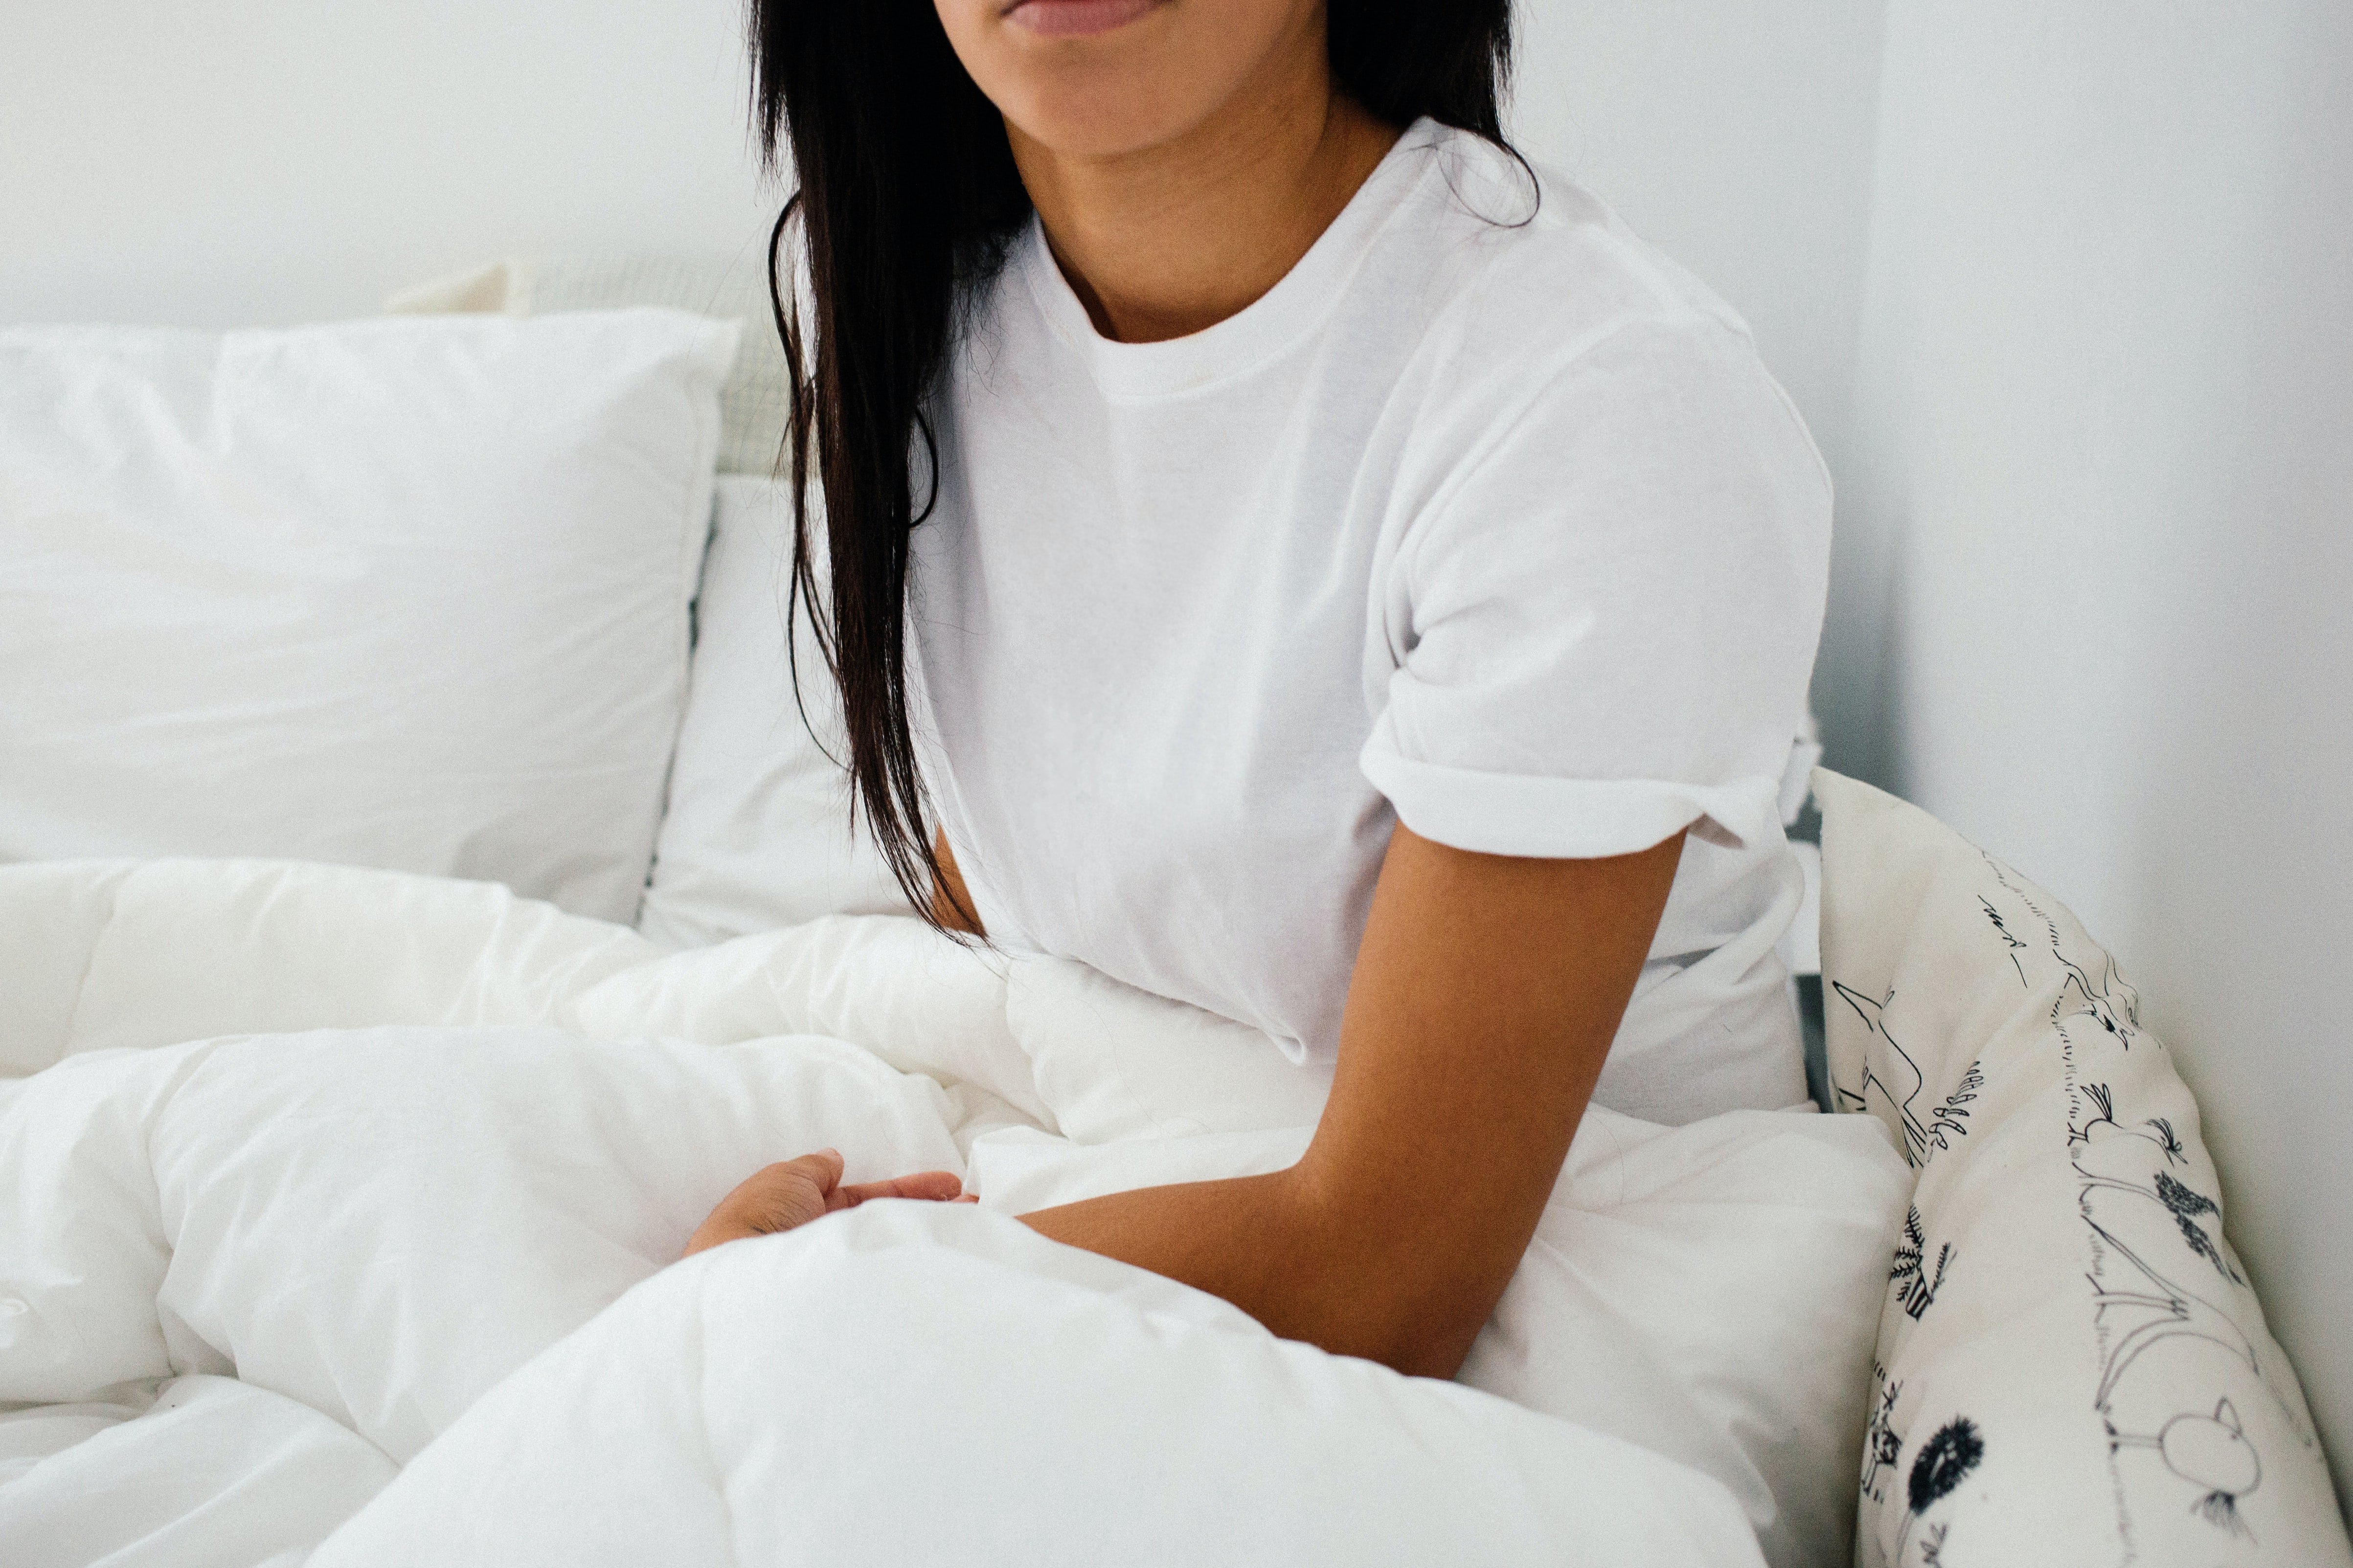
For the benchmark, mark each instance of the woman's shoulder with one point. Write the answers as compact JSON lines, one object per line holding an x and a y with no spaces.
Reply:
{"x":1546,"y":321}
{"x":1534,"y":271}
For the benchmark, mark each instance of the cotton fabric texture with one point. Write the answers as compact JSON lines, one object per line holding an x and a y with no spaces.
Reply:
{"x":1486,"y":518}
{"x":757,"y":832}
{"x":471,"y":1128}
{"x":406,"y":593}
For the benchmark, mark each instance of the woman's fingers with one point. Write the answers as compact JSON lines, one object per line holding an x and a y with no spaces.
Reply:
{"x":939,"y":1186}
{"x":793,"y":1192}
{"x":775,"y":1197}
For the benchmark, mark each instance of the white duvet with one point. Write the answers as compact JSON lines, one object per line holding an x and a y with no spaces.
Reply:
{"x":337,"y":1214}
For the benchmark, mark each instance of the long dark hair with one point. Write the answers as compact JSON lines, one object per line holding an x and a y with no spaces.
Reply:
{"x":908,"y":202}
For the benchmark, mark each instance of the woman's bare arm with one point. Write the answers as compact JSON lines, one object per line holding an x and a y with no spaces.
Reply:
{"x":951,"y":904}
{"x":1485,"y":995}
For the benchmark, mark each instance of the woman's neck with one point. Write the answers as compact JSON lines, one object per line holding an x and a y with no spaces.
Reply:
{"x":1167,"y":240}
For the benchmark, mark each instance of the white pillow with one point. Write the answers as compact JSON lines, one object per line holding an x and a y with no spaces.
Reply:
{"x":759,"y":834}
{"x":757,"y":396}
{"x":2072,"y":1367}
{"x":405,"y":594}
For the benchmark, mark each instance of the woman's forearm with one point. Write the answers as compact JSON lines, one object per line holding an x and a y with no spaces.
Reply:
{"x":1486,"y":994}
{"x":1296,"y":1257}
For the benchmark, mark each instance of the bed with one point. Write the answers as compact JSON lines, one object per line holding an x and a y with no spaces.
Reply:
{"x":422,"y":900}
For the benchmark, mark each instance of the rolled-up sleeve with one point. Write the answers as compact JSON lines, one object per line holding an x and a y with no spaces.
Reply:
{"x":1603,"y":622}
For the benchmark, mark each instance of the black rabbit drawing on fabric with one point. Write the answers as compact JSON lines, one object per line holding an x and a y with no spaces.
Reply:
{"x":2108,"y":1000}
{"x":2212,"y":1454}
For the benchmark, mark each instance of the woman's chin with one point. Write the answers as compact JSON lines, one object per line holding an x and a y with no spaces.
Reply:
{"x":1099,"y":113}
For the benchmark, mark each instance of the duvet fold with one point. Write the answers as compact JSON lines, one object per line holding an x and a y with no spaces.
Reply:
{"x":339,"y":1212}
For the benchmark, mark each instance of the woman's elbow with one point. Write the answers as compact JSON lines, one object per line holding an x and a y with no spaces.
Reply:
{"x":1434,"y":1344}
{"x":1416,"y":1310}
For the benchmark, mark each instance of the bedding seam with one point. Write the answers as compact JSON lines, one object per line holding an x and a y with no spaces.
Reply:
{"x":703,"y":1416}
{"x":90,"y":965}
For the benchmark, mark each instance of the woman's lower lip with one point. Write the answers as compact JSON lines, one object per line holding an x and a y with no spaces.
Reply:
{"x":1076,"y":18}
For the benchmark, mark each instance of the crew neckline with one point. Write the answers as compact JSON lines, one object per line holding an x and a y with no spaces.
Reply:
{"x":1260,"y":329}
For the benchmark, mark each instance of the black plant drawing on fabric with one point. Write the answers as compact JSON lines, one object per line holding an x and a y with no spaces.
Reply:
{"x":2212,"y":1454}
{"x":1943,"y":1463}
{"x":1891,"y":1075}
{"x":1916,"y":1281}
{"x":2188,"y":1207}
{"x":1883,"y":1446}
{"x":1945,"y":1122}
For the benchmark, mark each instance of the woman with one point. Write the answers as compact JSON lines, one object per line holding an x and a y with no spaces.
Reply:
{"x":1288,"y":556}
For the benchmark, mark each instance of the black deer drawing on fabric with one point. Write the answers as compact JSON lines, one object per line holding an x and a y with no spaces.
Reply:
{"x":1892,"y":1077}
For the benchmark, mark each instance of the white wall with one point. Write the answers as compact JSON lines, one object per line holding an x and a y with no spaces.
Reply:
{"x":258,"y":161}
{"x":270,"y":161}
{"x":1737,"y":136}
{"x":2104,"y":489}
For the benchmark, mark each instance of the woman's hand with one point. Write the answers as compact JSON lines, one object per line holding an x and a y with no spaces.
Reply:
{"x":799,"y":1191}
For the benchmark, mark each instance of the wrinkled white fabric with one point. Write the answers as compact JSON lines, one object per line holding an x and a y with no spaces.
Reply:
{"x":375,"y":1143}
{"x":912,"y":1384}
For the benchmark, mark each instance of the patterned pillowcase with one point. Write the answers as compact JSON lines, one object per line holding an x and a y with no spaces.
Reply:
{"x":2071,"y":1366}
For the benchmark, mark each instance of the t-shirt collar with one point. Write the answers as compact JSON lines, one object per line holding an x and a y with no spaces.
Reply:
{"x":1261,"y":329}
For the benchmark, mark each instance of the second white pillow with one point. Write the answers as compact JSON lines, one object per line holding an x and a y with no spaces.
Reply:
{"x":759,"y":833}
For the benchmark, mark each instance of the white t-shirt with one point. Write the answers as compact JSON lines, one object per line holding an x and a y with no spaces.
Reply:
{"x":1495,"y":526}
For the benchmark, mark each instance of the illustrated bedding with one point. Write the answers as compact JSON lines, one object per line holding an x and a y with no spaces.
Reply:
{"x":335,"y":1206}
